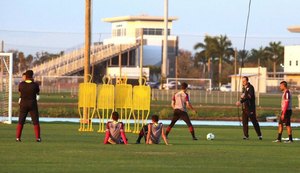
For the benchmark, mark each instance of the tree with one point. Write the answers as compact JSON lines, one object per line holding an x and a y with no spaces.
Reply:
{"x":259,"y":56}
{"x":275,"y":52}
{"x":207,"y":50}
{"x":22,"y":62}
{"x":243,"y":56}
{"x":223,"y":50}
{"x":200,"y":58}
{"x":187,"y":68}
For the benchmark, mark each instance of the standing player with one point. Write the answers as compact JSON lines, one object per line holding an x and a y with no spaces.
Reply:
{"x":286,"y":112}
{"x":115,"y":131}
{"x":179,"y":103}
{"x":29,"y":94}
{"x":249,"y":109}
{"x":152,"y":132}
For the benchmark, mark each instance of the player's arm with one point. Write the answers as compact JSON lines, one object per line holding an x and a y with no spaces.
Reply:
{"x":37,"y":92}
{"x":188,"y":103}
{"x":173,"y":102}
{"x":106,"y":134}
{"x":148,"y":134}
{"x":123,"y":136}
{"x":164,"y":136}
{"x":19,"y":101}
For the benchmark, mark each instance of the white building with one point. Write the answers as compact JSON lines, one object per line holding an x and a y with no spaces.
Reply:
{"x":257,"y":77}
{"x":292,"y":64}
{"x":128,"y":29}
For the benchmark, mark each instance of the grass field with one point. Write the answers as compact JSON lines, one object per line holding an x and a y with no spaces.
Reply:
{"x":64,"y":149}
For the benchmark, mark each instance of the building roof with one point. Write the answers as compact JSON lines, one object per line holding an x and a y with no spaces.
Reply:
{"x":137,"y":18}
{"x":294,"y":28}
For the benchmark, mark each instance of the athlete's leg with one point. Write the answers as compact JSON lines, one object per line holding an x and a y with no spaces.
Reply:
{"x":186,"y":119}
{"x":288,"y":124}
{"x":255,"y":123}
{"x":245,"y":120}
{"x":143,"y":133}
{"x":22,"y":118}
{"x":176,"y":116}
{"x":35,"y":120}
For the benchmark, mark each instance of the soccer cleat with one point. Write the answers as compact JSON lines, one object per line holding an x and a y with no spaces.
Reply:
{"x":288,"y":142}
{"x":260,"y":137}
{"x":277,"y":141}
{"x":39,"y":140}
{"x":195,"y":139}
{"x":245,"y":138}
{"x":137,"y":142}
{"x":18,"y":140}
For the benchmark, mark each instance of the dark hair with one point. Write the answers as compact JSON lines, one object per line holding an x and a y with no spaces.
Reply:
{"x":184,"y":85}
{"x":245,"y":77}
{"x":284,"y":83}
{"x":115,"y":116}
{"x":155,"y":118}
{"x":29,"y":74}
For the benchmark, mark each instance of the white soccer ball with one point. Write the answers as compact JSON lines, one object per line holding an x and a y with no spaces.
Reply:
{"x":210,"y":136}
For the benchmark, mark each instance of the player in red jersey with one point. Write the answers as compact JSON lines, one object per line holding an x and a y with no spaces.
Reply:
{"x":152,"y":132}
{"x":115,"y":131}
{"x":180,"y":103}
{"x":286,"y":112}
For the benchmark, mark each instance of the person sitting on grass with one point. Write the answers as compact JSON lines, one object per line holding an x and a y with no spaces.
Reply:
{"x":115,"y":131}
{"x":152,"y":132}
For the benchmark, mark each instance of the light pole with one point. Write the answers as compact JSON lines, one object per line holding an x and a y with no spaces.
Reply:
{"x":165,"y":43}
{"x":87,"y":40}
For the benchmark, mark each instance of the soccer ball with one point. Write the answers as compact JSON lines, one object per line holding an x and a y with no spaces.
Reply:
{"x":210,"y":136}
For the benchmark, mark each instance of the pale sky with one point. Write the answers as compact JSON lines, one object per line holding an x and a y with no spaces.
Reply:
{"x":55,"y":25}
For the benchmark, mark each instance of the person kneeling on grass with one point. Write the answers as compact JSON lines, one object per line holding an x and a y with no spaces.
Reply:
{"x":115,"y":131}
{"x":152,"y":132}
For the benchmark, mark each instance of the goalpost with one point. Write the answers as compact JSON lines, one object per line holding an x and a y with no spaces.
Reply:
{"x":6,"y":78}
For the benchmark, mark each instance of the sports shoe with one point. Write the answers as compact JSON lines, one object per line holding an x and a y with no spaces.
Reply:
{"x":277,"y":141}
{"x":137,"y":142}
{"x":18,"y":140}
{"x":260,"y":137}
{"x":195,"y":139}
{"x":39,"y":140}
{"x":245,"y":138}
{"x":288,"y":142}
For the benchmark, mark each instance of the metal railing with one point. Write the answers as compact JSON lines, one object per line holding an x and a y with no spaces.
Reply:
{"x":73,"y":61}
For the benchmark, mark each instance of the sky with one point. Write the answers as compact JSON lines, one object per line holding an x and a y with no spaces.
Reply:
{"x":55,"y":25}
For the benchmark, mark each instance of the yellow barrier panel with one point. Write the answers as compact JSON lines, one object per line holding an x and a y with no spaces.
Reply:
{"x":141,"y":106}
{"x":123,"y":103}
{"x":105,"y":102}
{"x":86,"y":102}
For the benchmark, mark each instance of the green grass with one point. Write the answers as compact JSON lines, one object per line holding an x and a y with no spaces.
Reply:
{"x":64,"y":149}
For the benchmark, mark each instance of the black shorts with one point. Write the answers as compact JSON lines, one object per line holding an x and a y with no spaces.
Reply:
{"x":287,"y":118}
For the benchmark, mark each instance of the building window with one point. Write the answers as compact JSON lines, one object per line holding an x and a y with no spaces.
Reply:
{"x":297,"y":63}
{"x":154,"y":31}
{"x":290,"y":63}
{"x":119,"y":32}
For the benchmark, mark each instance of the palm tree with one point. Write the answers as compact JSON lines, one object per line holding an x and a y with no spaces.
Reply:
{"x":224,"y":50}
{"x":243,"y":55}
{"x":275,"y":52}
{"x":200,"y":59}
{"x":208,"y":49}
{"x":258,"y":55}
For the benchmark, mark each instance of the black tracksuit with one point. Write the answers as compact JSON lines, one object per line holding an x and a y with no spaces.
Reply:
{"x":249,"y":109}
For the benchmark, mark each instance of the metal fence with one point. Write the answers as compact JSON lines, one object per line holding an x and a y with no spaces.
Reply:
{"x":198,"y":96}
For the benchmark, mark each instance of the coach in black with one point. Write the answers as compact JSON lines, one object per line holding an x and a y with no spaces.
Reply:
{"x":249,"y":109}
{"x":29,"y":94}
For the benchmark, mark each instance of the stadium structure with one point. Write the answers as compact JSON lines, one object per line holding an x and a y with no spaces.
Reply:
{"x":125,"y":42}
